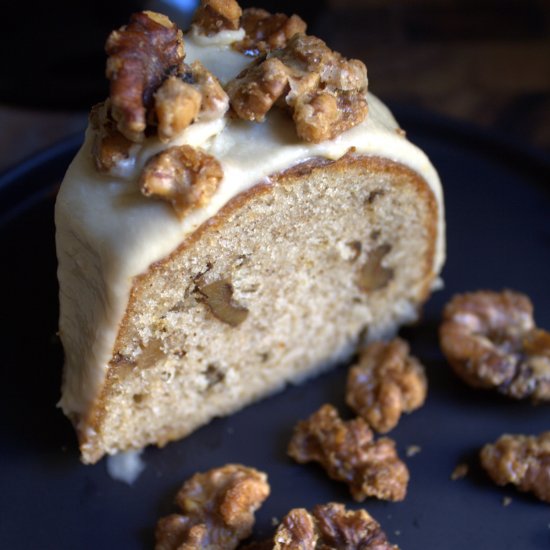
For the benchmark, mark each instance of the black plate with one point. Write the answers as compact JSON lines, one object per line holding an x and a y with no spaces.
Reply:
{"x":498,"y":215}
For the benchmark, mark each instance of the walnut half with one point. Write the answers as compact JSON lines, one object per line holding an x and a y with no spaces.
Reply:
{"x":386,"y":382}
{"x":142,"y":55}
{"x":184,"y":176}
{"x":491,"y":341}
{"x":217,"y":510}
{"x":521,"y":460}
{"x":330,"y":526}
{"x":348,"y":452}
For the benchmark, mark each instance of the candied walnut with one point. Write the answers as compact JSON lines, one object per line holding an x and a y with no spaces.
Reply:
{"x":109,"y":146}
{"x":252,"y":95}
{"x":372,"y":274}
{"x":177,"y":104}
{"x":195,"y":94}
{"x":218,"y":296}
{"x":265,"y":31}
{"x":348,"y":453}
{"x":142,"y":55}
{"x":491,"y":341}
{"x":217,"y":510}
{"x":214,"y":100}
{"x":521,"y":460}
{"x":184,"y":176}
{"x":324,"y":91}
{"x":386,"y":382}
{"x":328,"y":526}
{"x":213,"y":16}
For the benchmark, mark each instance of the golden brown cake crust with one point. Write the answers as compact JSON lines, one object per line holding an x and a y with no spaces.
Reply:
{"x":90,"y":428}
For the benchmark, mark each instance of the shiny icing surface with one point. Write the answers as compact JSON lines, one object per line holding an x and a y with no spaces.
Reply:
{"x":107,"y":232}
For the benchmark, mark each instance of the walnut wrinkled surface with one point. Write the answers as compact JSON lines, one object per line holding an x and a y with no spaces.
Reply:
{"x":218,"y":296}
{"x":330,"y":526}
{"x":184,"y":176}
{"x":521,"y":460}
{"x":266,"y":31}
{"x":386,"y":382}
{"x":348,"y":452}
{"x":109,"y":146}
{"x":324,"y":91}
{"x":142,"y":55}
{"x":195,"y":94}
{"x":217,"y":510}
{"x":491,"y":341}
{"x":213,"y":16}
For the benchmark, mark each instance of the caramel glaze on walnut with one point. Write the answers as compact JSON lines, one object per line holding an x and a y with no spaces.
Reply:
{"x":182,"y":175}
{"x":386,"y":382}
{"x":265,"y":31}
{"x":213,"y":16}
{"x":491,"y":341}
{"x":217,"y":510}
{"x":328,"y":526}
{"x":324,"y":91}
{"x":521,"y":460}
{"x":142,"y":55}
{"x":348,"y":452}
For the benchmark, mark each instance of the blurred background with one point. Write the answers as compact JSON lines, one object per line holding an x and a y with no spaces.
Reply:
{"x":486,"y":62}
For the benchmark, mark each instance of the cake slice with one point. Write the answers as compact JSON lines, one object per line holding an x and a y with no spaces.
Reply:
{"x":214,"y":246}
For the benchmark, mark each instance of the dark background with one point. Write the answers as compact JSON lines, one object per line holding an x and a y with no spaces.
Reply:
{"x":482,"y":61}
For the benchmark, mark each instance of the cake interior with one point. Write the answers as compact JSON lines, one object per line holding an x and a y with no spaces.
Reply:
{"x":278,"y":286}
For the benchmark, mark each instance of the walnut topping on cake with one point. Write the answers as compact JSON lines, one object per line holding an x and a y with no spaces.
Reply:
{"x":266,"y":31}
{"x":491,"y":341}
{"x":217,"y":510}
{"x":348,"y":452}
{"x":521,"y":460}
{"x":213,"y":16}
{"x":184,"y":176}
{"x":142,"y":55}
{"x":196,"y":94}
{"x":386,"y":382}
{"x":109,"y":146}
{"x":324,"y":91}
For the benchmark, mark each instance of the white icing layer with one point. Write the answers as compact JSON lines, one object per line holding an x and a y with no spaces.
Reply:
{"x":107,"y":232}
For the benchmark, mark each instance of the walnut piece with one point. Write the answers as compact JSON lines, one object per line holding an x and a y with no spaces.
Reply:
{"x":177,"y":105}
{"x":372,"y":274}
{"x":217,"y":510}
{"x":324,"y":91}
{"x":109,"y":146}
{"x":491,"y":341}
{"x":184,"y":176}
{"x":218,"y":296}
{"x":386,"y":382}
{"x":265,"y":31}
{"x":348,"y":453}
{"x":142,"y":55}
{"x":330,"y":526}
{"x":213,"y":16}
{"x":521,"y":460}
{"x":195,"y":94}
